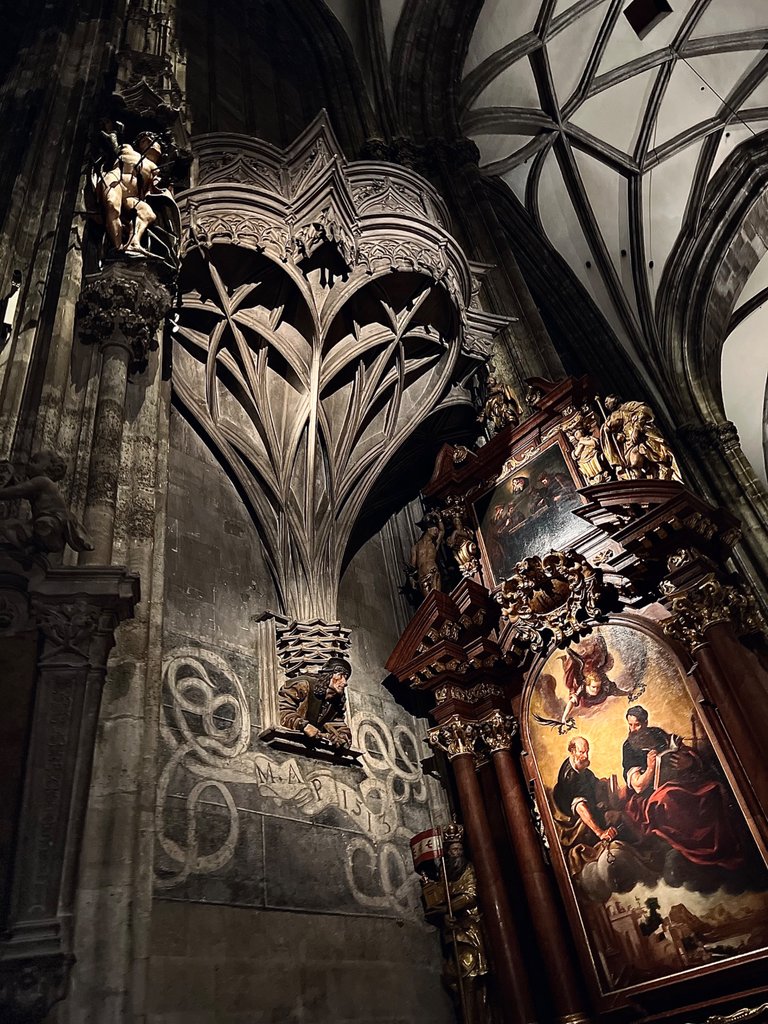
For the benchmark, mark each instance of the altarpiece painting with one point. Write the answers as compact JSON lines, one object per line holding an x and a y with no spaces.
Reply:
{"x":529,"y":512}
{"x":658,"y":865}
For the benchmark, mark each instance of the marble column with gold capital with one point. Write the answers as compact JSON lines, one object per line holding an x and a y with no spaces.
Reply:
{"x":497,"y":734}
{"x":458,"y":739}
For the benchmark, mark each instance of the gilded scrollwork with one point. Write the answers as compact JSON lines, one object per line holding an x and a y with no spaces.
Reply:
{"x":556,"y":596}
{"x":455,"y":737}
{"x":471,"y":695}
{"x":693,"y":611}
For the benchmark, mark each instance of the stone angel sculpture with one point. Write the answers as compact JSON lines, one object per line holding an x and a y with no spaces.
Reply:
{"x":51,"y":526}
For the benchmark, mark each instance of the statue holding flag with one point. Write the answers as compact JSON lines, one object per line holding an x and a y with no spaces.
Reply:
{"x":450,"y":900}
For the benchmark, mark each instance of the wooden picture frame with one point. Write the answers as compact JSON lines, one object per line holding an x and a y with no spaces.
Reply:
{"x":629,"y":946}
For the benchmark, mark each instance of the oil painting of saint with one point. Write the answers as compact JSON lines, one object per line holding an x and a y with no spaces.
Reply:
{"x":656,"y":849}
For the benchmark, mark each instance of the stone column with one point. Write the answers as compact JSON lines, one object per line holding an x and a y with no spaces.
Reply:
{"x":457,"y":739}
{"x":548,"y":922}
{"x":121,"y":309}
{"x":75,"y":614}
{"x":716,"y":456}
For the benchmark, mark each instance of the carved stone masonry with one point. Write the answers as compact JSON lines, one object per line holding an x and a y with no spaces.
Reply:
{"x":69,"y":616}
{"x":124,"y":304}
{"x":32,"y":987}
{"x":498,"y":731}
{"x":328,"y":308}
{"x":695,"y":610}
{"x":455,"y":737}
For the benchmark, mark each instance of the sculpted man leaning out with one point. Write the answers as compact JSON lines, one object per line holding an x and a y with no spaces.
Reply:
{"x":316,"y":704}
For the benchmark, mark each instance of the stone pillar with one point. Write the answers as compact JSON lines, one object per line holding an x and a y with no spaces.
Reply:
{"x":457,"y":739}
{"x":121,"y":309}
{"x":548,"y":922}
{"x":74,"y":613}
{"x":718,"y":460}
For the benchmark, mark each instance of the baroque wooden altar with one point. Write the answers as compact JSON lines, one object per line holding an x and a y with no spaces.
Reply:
{"x":617,"y":565}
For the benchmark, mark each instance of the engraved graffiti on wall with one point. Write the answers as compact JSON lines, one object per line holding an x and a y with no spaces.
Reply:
{"x":207,"y":730}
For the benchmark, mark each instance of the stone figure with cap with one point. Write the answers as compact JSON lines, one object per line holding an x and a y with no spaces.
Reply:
{"x":316,"y":704}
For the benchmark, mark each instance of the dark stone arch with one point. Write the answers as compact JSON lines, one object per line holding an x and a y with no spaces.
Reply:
{"x":428,"y":54}
{"x":707,"y":270}
{"x":268,"y":67}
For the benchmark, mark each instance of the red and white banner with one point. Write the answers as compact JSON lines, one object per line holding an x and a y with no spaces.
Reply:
{"x":426,"y":846}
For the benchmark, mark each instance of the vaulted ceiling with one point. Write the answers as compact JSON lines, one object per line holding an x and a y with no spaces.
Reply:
{"x":609,"y":140}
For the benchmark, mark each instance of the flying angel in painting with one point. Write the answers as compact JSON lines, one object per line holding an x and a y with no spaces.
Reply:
{"x":585,"y":673}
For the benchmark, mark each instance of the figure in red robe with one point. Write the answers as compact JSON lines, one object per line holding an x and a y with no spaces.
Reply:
{"x":673,"y":798}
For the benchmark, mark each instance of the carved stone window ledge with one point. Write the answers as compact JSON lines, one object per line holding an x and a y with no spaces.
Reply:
{"x":295,"y":742}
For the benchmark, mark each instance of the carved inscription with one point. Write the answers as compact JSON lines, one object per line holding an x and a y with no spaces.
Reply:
{"x":207,"y":730}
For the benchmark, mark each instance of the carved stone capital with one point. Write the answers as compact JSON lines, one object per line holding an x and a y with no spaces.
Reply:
{"x":124,"y":305}
{"x":498,"y":732}
{"x":555,"y":597}
{"x":455,"y":737}
{"x":695,"y":610}
{"x":704,"y":437}
{"x":68,"y":625}
{"x":30,"y":987}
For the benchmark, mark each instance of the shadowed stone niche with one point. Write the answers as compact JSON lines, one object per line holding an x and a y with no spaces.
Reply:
{"x":325,"y":314}
{"x":57,"y":628}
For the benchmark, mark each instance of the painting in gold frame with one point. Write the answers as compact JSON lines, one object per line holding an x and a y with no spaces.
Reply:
{"x":648,"y":838}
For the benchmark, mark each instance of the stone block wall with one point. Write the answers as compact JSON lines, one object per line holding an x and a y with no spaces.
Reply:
{"x":283,"y":885}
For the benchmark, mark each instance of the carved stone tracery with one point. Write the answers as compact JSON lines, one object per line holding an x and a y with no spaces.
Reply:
{"x":304,"y":389}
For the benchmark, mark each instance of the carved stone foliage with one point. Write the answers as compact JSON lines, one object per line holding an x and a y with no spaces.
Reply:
{"x":124,"y":304}
{"x":709,"y":602}
{"x":555,"y":597}
{"x":29,"y":988}
{"x":314,"y":336}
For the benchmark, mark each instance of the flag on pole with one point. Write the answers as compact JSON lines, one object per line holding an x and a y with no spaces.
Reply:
{"x":426,"y":846}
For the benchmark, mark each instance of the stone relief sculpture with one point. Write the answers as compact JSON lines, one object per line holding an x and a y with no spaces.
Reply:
{"x":51,"y":526}
{"x":632,"y":443}
{"x":316,"y":705}
{"x":141,"y":218}
{"x":206,"y":730}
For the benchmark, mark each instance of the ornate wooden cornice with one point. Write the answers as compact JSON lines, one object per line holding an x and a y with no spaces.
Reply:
{"x":450,"y":641}
{"x":550,"y":599}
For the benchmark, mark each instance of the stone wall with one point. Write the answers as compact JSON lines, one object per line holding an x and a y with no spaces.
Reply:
{"x":284,"y":888}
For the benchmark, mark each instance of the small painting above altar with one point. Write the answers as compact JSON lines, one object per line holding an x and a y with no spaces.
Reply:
{"x":529,"y":512}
